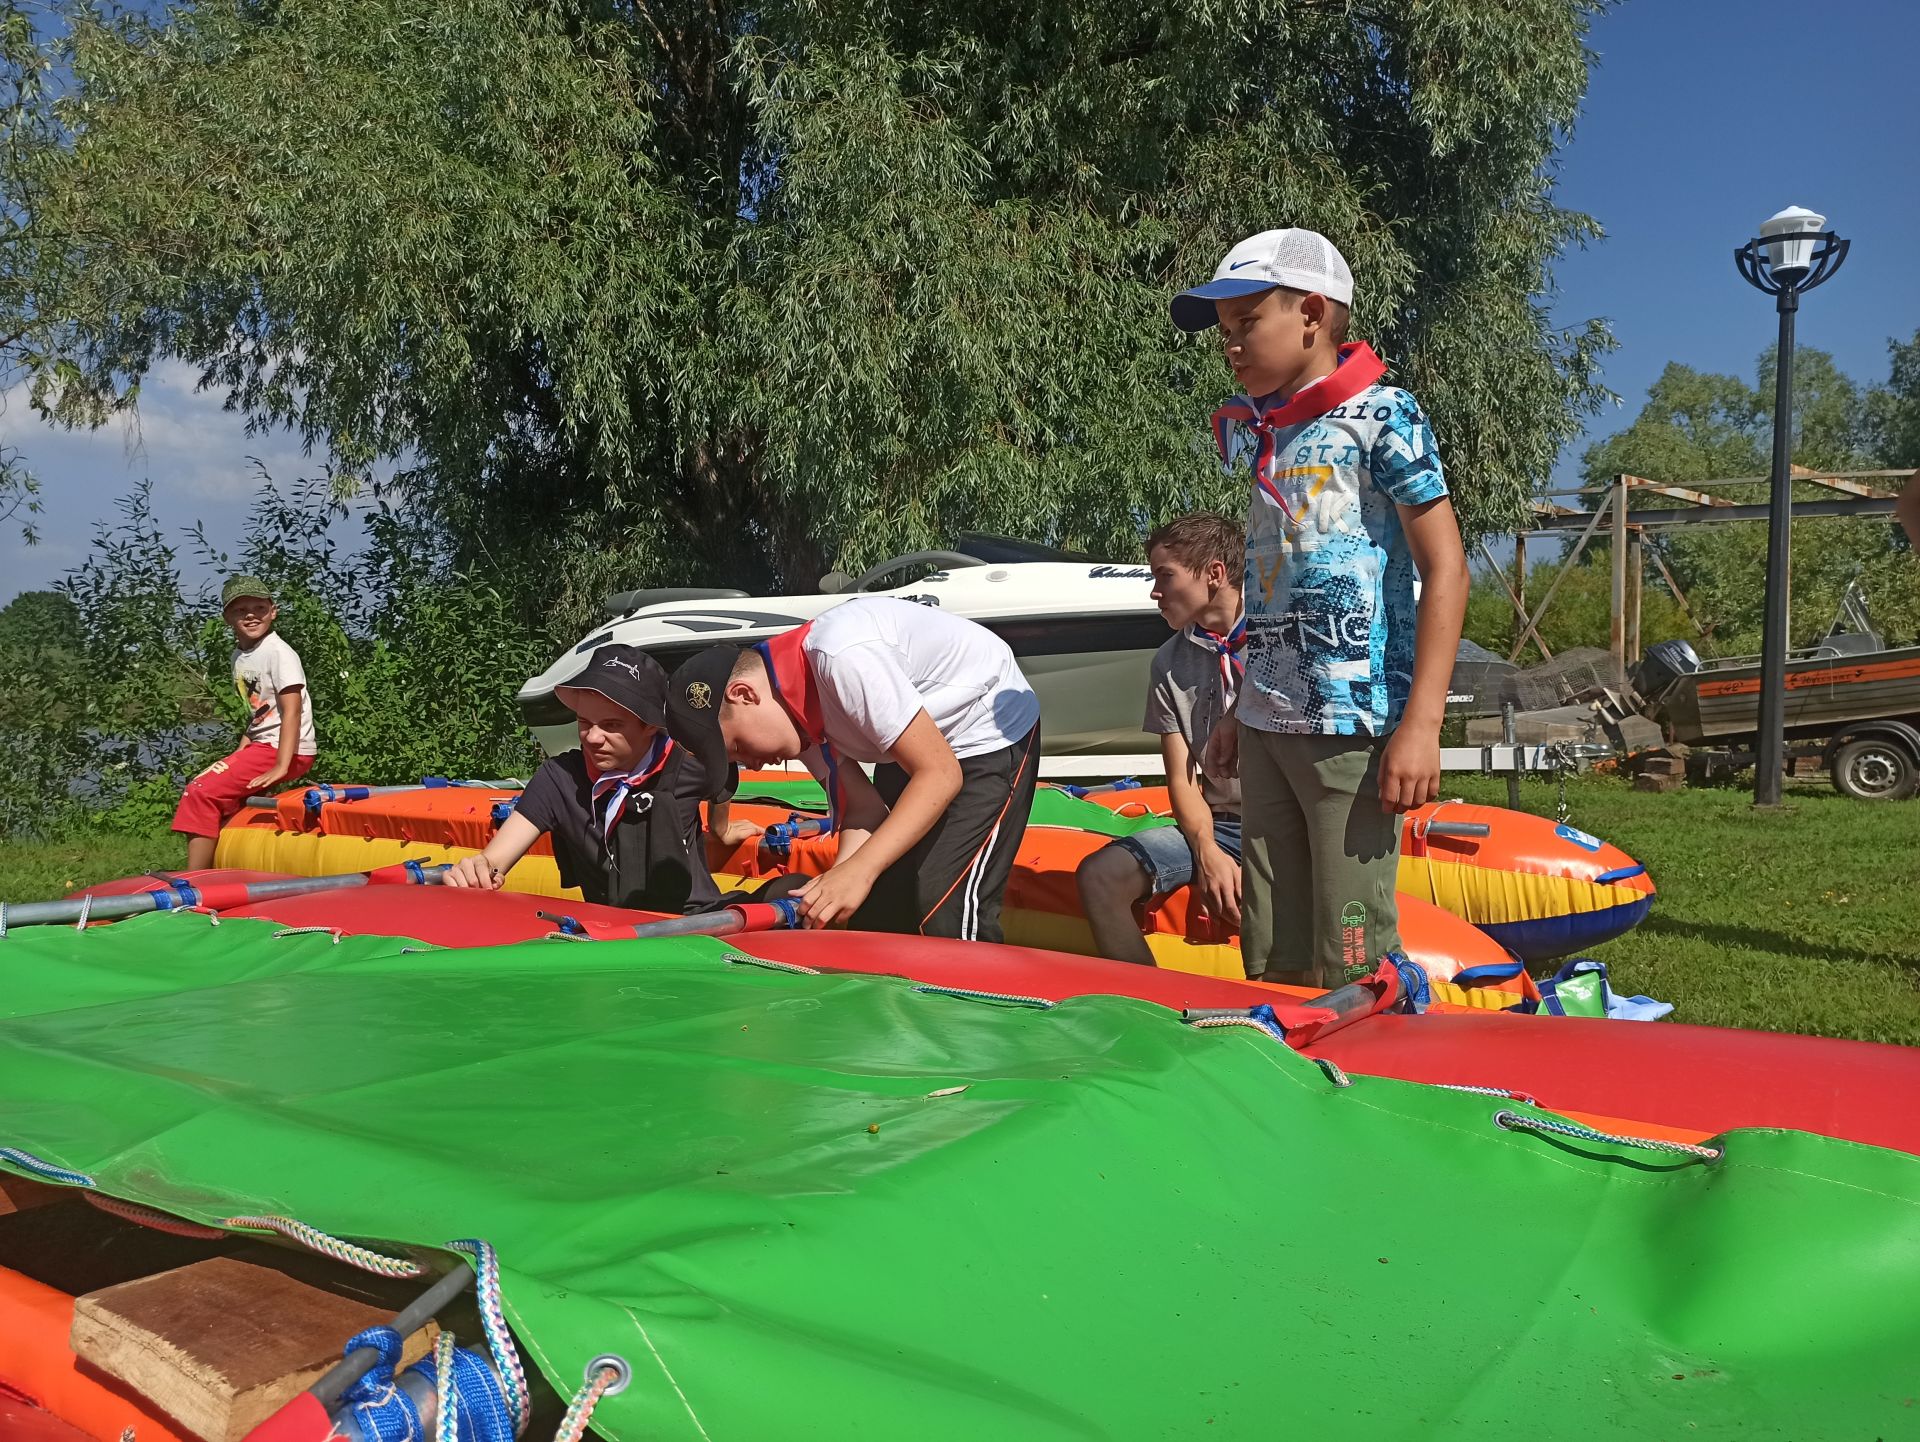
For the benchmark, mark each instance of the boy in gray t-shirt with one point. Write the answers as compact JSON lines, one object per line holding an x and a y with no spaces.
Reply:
{"x":1197,"y":563}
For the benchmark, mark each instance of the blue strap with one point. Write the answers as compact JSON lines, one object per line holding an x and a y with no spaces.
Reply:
{"x":503,"y":809}
{"x":1264,"y":1015}
{"x":416,"y":872}
{"x":181,"y":893}
{"x":1127,"y":783}
{"x":1488,"y":971}
{"x":1078,"y":793}
{"x":383,"y":1411}
{"x":789,"y":910}
{"x":1414,"y":987}
{"x":1619,"y":873}
{"x":316,"y":797}
{"x":434,"y":783}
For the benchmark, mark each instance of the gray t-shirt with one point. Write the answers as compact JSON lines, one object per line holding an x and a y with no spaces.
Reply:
{"x":1187,"y":696}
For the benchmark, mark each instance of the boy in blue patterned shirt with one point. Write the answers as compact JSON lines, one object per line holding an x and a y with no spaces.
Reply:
{"x":1346,"y":678}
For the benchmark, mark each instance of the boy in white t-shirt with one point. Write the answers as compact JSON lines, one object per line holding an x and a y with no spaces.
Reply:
{"x":279,"y":741}
{"x":936,"y":702}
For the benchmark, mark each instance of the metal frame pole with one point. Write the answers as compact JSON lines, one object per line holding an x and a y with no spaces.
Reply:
{"x":1771,"y":754}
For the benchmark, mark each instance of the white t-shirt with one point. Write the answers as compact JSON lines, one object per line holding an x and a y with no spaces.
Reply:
{"x":880,"y":661}
{"x":261,"y":675}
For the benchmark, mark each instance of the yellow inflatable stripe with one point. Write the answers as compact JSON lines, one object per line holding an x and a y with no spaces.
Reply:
{"x":1491,"y":898}
{"x":1488,"y":998}
{"x":249,"y":848}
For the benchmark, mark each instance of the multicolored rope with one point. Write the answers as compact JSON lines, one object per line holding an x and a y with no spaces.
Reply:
{"x":328,"y":1245}
{"x":445,"y":1426}
{"x":493,"y":1318}
{"x":763,"y":962}
{"x":151,"y":1217}
{"x":605,"y":1375}
{"x":1511,"y":1096}
{"x":332,"y":931}
{"x":1208,"y":1023}
{"x":1332,"y":1069}
{"x":1512,"y":1121}
{"x":33,"y":1166}
{"x":967,"y":993}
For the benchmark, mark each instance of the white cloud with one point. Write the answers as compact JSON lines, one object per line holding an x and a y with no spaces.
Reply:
{"x":197,"y":455}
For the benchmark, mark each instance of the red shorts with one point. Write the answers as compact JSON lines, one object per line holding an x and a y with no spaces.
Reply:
{"x":219,"y":792}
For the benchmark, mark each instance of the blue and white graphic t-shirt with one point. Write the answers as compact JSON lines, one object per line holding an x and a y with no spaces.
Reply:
{"x":1329,"y":580}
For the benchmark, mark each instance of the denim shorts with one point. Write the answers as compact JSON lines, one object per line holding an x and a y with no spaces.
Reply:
{"x":1164,"y":855}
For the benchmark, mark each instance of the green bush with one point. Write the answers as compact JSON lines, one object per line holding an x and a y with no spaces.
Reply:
{"x":115,"y":689}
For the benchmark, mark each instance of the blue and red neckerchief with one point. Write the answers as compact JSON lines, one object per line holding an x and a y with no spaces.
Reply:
{"x":616,"y":788}
{"x":1227,"y":648}
{"x":1357,"y":369}
{"x":792,"y":681}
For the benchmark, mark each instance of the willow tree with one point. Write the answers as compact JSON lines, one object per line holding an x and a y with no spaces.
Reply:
{"x":738,"y":292}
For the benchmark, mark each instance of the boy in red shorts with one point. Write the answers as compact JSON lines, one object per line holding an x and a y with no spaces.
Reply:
{"x":279,"y":741}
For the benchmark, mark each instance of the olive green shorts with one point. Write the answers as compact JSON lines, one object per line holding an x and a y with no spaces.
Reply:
{"x":1320,"y":859}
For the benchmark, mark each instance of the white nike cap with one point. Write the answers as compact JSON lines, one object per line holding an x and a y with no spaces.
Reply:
{"x":1301,"y":260}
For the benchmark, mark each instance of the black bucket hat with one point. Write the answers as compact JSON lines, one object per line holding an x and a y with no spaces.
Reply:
{"x":628,"y":677}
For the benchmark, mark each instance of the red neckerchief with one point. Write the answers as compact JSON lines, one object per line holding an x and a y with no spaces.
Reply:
{"x":1357,"y":368}
{"x":622,"y":784}
{"x":1228,"y":649}
{"x":792,"y":681}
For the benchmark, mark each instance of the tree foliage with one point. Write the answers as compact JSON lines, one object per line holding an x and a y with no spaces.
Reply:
{"x":118,"y":687}
{"x":671,"y":291}
{"x":1697,"y":426}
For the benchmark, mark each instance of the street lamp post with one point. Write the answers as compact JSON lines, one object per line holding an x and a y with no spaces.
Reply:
{"x":1792,"y":254}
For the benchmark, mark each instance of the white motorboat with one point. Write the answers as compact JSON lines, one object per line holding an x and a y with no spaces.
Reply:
{"x":1083,"y":630}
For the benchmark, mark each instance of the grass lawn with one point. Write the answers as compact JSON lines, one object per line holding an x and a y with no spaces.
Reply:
{"x":1806,"y":920}
{"x":41,"y":871}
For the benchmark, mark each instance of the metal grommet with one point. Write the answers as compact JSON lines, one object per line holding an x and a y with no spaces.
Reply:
{"x":1503,"y":1119}
{"x":622,"y":1372}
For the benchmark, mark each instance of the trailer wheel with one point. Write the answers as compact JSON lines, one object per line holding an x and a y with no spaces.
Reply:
{"x":1875,"y":768}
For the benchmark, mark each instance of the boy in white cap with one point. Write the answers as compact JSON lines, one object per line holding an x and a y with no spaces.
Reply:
{"x":1345,"y":685}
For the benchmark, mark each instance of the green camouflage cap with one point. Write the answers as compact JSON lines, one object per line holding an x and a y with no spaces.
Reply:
{"x":240,"y":587}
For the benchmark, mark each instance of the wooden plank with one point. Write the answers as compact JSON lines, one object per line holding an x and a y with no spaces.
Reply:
{"x":221,"y":1344}
{"x":1679,"y":493}
{"x":22,"y":1194}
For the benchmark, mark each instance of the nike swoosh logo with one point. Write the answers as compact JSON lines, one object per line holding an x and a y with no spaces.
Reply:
{"x":1241,"y":264}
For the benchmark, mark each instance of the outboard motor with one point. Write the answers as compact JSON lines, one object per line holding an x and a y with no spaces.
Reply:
{"x":1664,"y":663}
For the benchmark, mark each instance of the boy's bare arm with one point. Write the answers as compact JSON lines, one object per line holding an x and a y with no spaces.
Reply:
{"x":933,"y":780}
{"x":290,"y":703}
{"x":1410,"y":765}
{"x":1216,"y":875}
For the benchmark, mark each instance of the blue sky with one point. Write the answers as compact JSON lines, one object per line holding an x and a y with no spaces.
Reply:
{"x":1703,"y":118}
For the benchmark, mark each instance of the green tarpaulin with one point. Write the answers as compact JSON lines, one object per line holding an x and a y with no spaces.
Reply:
{"x":1051,"y":807}
{"x":747,"y":1182}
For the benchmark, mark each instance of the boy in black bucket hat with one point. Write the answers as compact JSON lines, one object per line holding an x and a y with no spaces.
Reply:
{"x":623,"y":810}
